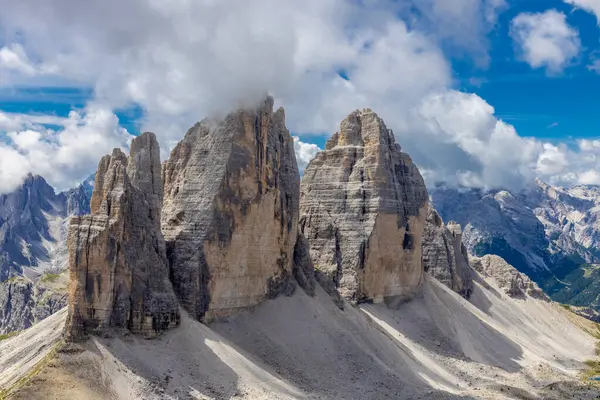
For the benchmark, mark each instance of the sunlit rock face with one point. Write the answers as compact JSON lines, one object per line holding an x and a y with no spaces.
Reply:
{"x":117,"y":255}
{"x":230,"y":215}
{"x":363,"y":209}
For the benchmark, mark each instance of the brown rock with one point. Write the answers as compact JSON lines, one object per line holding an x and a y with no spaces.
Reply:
{"x":117,"y":255}
{"x":231,"y":211}
{"x":363,"y":207}
{"x":444,"y":255}
{"x":514,"y":283}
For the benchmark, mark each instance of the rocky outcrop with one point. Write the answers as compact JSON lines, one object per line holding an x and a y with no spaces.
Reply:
{"x":23,"y":303}
{"x":363,"y":208}
{"x":77,"y":200}
{"x":230,"y":212}
{"x":117,"y":255}
{"x":444,"y":255}
{"x":514,"y":283}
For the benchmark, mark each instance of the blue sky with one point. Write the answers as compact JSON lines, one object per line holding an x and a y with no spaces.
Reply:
{"x":451,"y":77}
{"x":530,"y":99}
{"x":557,"y":108}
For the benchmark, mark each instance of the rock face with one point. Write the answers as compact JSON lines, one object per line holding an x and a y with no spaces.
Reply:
{"x":117,"y":255}
{"x":33,"y":234}
{"x":444,"y":255}
{"x":514,"y":283}
{"x":548,"y":233}
{"x":363,"y":208}
{"x":77,"y":200}
{"x":230,"y":212}
{"x":23,"y":303}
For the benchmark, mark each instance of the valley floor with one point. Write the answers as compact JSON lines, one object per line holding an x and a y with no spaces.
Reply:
{"x":437,"y":346}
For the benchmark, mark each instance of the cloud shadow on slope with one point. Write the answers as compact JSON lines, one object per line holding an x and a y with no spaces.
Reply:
{"x":328,"y":352}
{"x":190,"y":360}
{"x":438,"y":321}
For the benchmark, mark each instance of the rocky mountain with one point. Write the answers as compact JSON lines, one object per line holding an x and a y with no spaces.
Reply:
{"x":444,"y":254}
{"x":436,"y":346}
{"x":117,"y":254}
{"x":230,"y":215}
{"x":33,"y":252}
{"x":514,"y":283}
{"x":240,"y":233}
{"x":549,"y":233}
{"x":362,"y":210}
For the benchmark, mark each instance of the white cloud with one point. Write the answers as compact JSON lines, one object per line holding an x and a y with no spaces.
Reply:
{"x":305,"y":152}
{"x":14,"y":58}
{"x":183,"y":60}
{"x":65,"y":156}
{"x":14,"y":61}
{"x":457,"y":138}
{"x":545,"y":40}
{"x":592,"y":6}
{"x":594,"y":66}
{"x":461,"y":24}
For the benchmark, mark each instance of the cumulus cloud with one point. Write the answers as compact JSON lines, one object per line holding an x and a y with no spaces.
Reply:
{"x":545,"y":40}
{"x":14,"y":58}
{"x":592,"y":6}
{"x":461,"y":24}
{"x":305,"y":152}
{"x":63,"y":156}
{"x":458,"y":140}
{"x":183,"y":60}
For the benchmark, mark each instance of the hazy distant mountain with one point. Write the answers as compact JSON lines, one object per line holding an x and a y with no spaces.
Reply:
{"x":33,"y":251}
{"x":550,"y":233}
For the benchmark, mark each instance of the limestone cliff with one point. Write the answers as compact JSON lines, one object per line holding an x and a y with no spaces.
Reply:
{"x":24,"y":303}
{"x":444,"y":255}
{"x":117,"y":255}
{"x":230,"y":212}
{"x":514,"y":283}
{"x":362,"y":209}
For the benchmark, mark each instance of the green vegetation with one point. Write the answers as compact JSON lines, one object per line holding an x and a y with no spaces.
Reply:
{"x":9,"y":335}
{"x":47,"y":278}
{"x":594,"y":365}
{"x":566,"y":307}
{"x":15,"y":278}
{"x":501,"y":248}
{"x":593,"y":369}
{"x":580,"y":287}
{"x":4,"y":393}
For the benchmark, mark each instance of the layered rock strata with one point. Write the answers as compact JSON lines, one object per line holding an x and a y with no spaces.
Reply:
{"x":117,"y":255}
{"x":514,"y":283}
{"x":363,"y":207}
{"x":24,"y":303}
{"x":444,"y":255}
{"x":230,"y":212}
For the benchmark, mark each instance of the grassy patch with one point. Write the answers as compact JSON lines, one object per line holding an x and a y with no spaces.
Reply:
{"x":566,"y":307}
{"x":4,"y":393}
{"x":47,"y":278}
{"x":9,"y":335}
{"x":593,"y":369}
{"x":594,"y":365}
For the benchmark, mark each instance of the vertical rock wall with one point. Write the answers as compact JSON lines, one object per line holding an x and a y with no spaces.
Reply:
{"x":444,"y":255}
{"x":117,"y":255}
{"x":230,"y":213}
{"x":362,"y":209}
